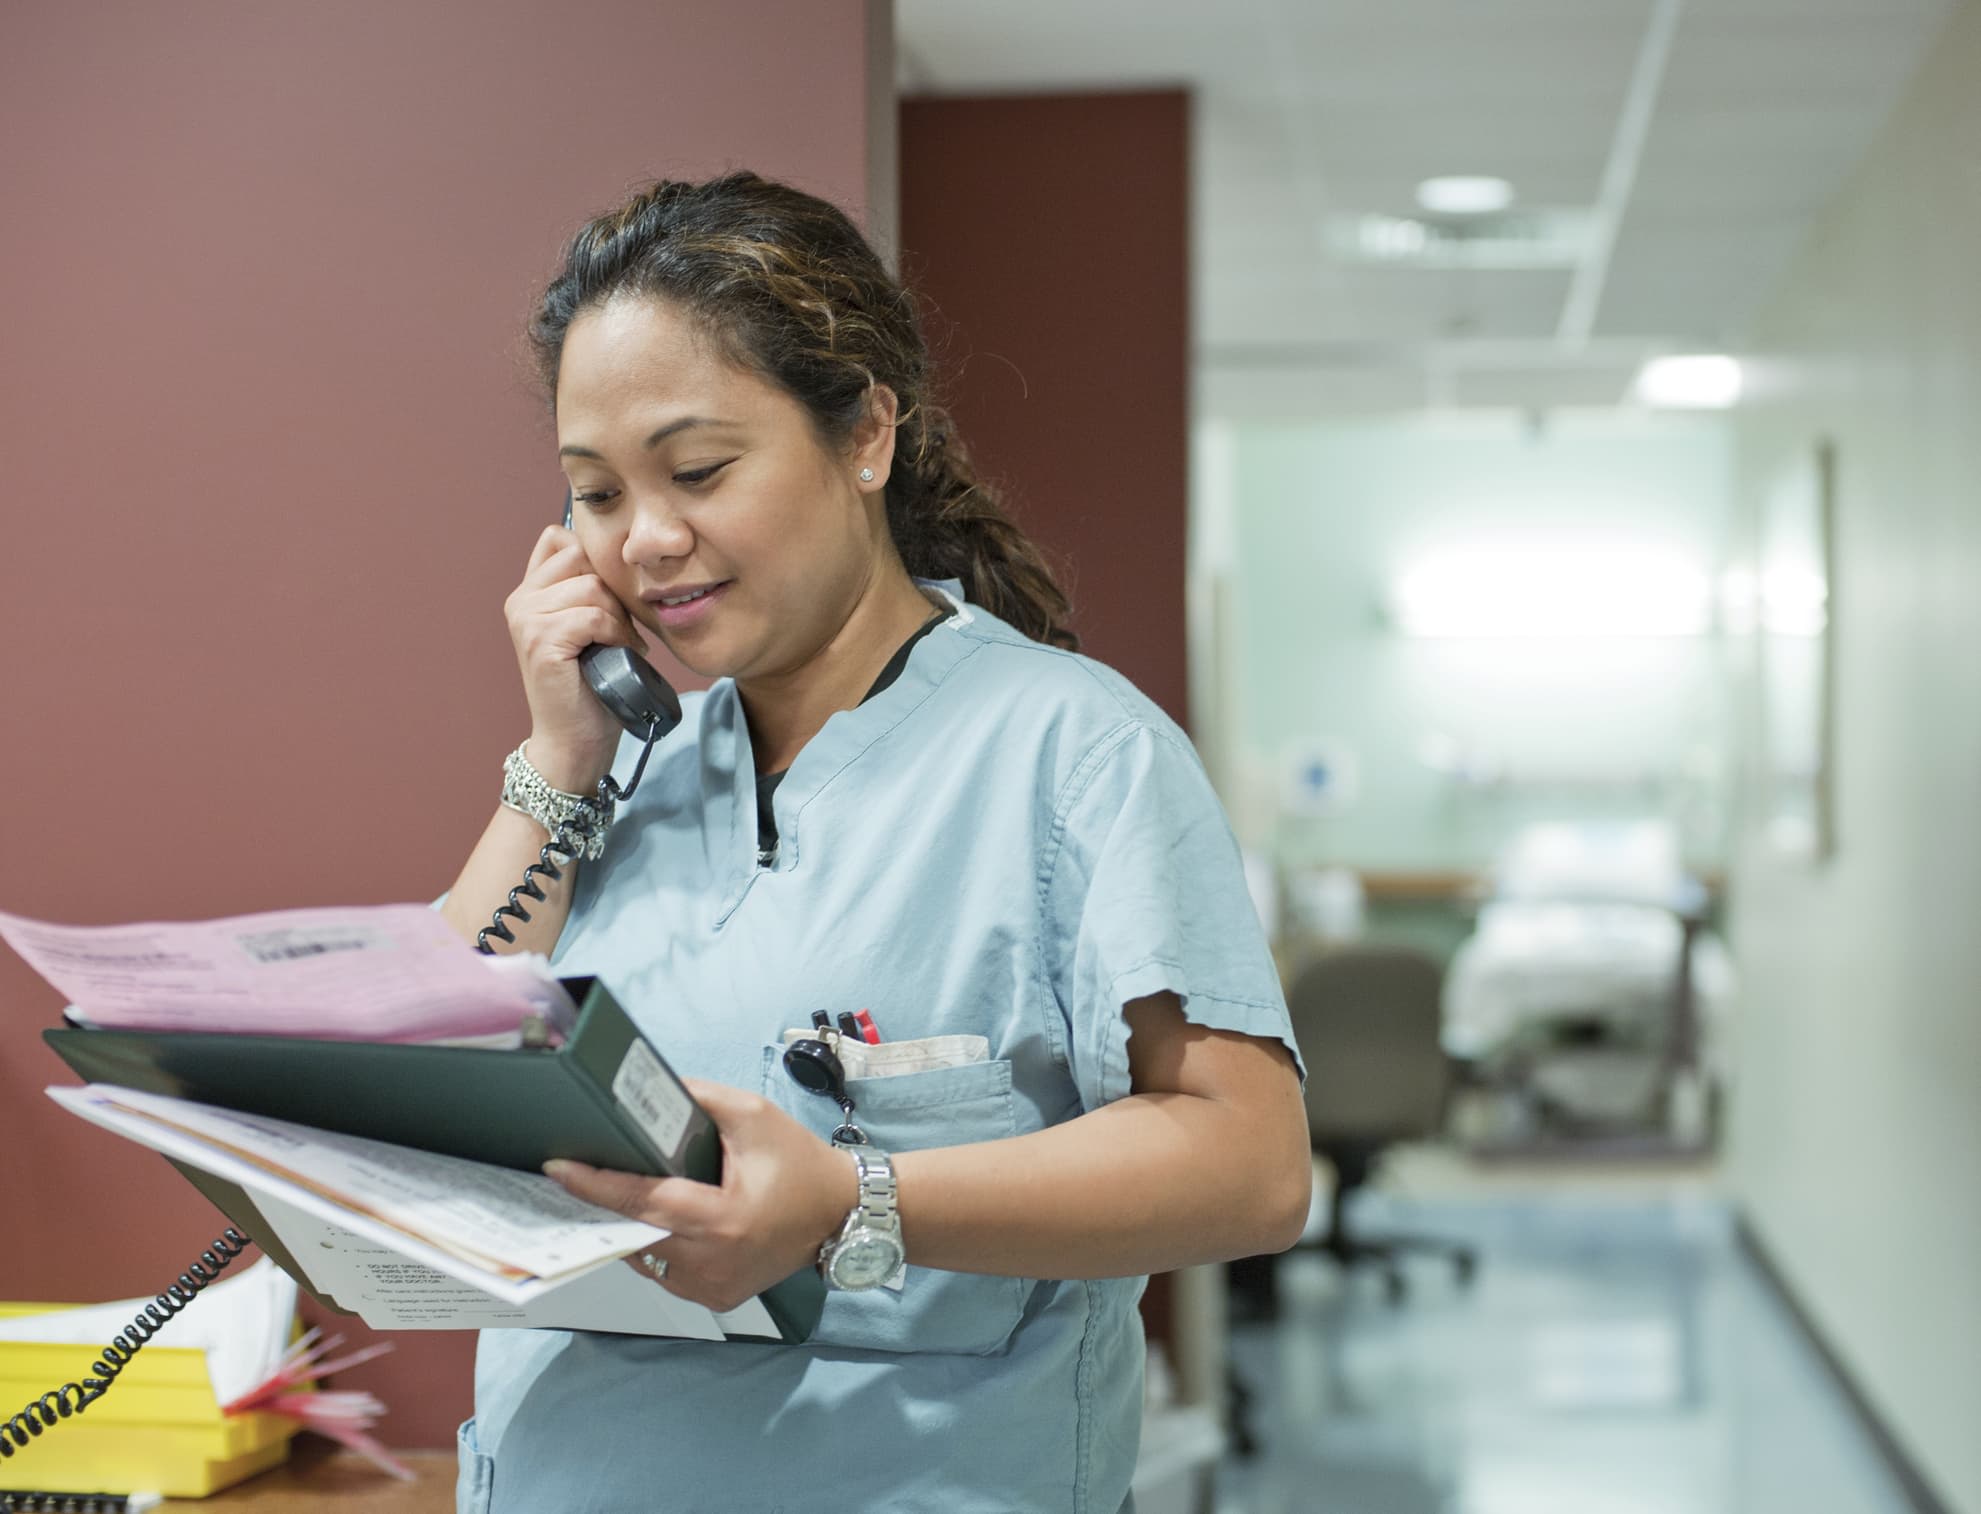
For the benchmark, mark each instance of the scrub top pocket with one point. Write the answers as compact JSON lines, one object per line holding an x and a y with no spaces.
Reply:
{"x":964,"y":1312}
{"x":894,"y":1059}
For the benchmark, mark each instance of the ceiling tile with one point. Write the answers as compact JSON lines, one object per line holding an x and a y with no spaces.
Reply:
{"x":1307,"y":108}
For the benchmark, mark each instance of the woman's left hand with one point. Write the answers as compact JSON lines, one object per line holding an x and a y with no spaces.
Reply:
{"x":784,"y":1191}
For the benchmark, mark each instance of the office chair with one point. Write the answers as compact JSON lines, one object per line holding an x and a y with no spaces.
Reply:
{"x":1366,"y":1018}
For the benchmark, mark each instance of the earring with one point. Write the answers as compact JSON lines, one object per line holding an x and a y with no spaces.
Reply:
{"x":866,"y":475}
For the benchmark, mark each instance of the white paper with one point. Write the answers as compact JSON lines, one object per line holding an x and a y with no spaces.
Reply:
{"x":893,"y":1059}
{"x":751,"y":1318}
{"x":393,"y":1279}
{"x":390,"y":1292}
{"x":394,"y":972}
{"x":608,"y":1236}
{"x":242,"y":1322}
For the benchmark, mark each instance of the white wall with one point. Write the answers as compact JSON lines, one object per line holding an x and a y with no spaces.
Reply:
{"x":1319,"y":522}
{"x":1857,"y":1127}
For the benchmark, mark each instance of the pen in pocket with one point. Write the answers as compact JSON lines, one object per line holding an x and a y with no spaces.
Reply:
{"x":859,"y":1027}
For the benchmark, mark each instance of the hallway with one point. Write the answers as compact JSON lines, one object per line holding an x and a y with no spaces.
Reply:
{"x":1615,"y":1355}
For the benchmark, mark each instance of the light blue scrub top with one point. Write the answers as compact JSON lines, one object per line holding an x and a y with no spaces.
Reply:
{"x":1009,"y":841}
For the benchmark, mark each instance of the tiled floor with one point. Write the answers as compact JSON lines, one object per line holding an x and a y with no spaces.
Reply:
{"x":1616,"y":1354}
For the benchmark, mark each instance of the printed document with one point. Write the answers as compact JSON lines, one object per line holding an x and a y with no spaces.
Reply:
{"x":391,"y":1292}
{"x":393,"y":972}
{"x":513,"y":1234}
{"x":412,"y":1240}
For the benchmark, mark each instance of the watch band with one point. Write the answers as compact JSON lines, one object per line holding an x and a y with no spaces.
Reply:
{"x":870,"y":1236}
{"x":875,"y":1170}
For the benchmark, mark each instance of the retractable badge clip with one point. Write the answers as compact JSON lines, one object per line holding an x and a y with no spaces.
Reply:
{"x":815,"y":1067}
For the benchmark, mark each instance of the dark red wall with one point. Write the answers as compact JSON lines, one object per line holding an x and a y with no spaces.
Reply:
{"x":1051,"y":236}
{"x":269,"y":464}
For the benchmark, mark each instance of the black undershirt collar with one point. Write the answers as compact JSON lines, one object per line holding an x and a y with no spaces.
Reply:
{"x":767,"y":782}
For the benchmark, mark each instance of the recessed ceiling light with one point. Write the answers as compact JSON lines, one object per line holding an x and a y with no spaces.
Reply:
{"x":1704,"y":381}
{"x":1464,"y":195}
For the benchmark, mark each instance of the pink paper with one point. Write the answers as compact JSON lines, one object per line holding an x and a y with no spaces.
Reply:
{"x":393,"y":972}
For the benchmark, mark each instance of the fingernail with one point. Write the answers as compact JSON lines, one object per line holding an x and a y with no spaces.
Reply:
{"x":556,"y":1168}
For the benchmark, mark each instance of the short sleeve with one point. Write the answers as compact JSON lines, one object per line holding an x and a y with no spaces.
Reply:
{"x":1145,"y":892}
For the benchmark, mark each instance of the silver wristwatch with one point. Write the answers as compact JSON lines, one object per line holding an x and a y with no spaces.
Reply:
{"x":867,"y":1252}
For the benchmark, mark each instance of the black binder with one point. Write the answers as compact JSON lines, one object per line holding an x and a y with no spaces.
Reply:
{"x":605,"y":1098}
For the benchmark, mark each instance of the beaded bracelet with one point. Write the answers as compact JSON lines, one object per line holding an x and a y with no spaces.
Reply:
{"x":528,"y":792}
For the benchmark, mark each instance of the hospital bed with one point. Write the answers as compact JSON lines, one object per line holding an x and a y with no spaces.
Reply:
{"x":1589,"y":996}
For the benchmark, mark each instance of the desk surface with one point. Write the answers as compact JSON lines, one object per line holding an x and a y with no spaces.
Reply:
{"x":320,"y":1476}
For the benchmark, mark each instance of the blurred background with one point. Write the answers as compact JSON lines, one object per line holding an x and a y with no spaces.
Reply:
{"x":1531,"y":445}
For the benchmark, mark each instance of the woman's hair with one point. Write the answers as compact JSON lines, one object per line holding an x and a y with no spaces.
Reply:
{"x":787,"y":287}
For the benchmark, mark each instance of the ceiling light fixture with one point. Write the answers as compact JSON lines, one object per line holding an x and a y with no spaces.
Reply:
{"x":1464,"y":195}
{"x":1703,"y":381}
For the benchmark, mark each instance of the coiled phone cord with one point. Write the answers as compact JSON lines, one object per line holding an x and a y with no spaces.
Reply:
{"x":565,"y":844}
{"x":43,"y":1412}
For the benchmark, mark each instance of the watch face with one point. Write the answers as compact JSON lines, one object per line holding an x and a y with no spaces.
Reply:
{"x":865,"y":1259}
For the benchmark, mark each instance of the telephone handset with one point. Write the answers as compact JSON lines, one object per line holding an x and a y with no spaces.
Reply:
{"x":626,"y":683}
{"x":647,"y":706}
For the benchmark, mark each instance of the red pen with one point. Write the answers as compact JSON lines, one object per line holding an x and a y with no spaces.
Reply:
{"x":869,"y":1032}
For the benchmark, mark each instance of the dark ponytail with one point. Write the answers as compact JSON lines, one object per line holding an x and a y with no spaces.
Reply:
{"x":789,"y":288}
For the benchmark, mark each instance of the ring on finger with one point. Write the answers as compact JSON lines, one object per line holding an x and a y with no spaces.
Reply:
{"x":657,"y":1265}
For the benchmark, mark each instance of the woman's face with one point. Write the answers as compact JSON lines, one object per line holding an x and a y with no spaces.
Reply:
{"x":704,"y":498}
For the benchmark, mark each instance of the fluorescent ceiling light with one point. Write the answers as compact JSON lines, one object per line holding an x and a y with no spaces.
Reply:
{"x":1464,"y":195}
{"x":1554,"y":593}
{"x":1700,"y":382}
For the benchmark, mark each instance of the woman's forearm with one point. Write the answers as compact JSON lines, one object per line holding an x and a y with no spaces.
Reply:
{"x":1207,"y":1162}
{"x":1149,"y":1183}
{"x":510,"y":844}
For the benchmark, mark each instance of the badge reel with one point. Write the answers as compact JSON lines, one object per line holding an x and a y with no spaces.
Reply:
{"x":815,"y":1066}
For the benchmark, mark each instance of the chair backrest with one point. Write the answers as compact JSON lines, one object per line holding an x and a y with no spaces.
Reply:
{"x":1366,"y":1019}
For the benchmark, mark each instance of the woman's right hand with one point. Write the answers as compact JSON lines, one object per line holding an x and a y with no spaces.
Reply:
{"x":560,"y":608}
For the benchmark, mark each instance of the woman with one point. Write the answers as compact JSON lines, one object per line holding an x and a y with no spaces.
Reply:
{"x":903,"y":793}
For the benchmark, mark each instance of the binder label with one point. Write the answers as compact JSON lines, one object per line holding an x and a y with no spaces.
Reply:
{"x":651,"y":1095}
